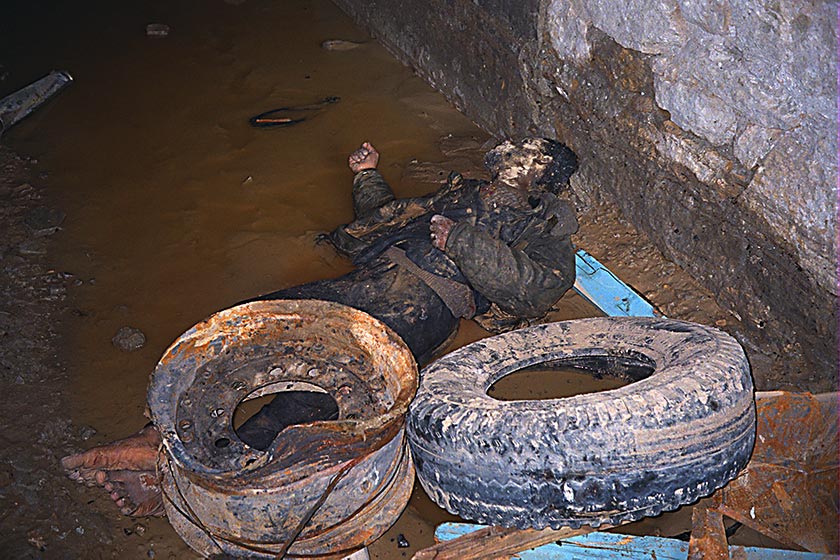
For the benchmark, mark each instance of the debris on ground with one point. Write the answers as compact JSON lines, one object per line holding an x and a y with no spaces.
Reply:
{"x":340,"y":45}
{"x":157,"y":30}
{"x":20,"y":104}
{"x":43,"y":220}
{"x":129,"y":339}
{"x":788,"y":491}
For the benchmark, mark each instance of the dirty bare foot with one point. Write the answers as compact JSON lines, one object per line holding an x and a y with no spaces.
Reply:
{"x":125,"y":469}
{"x":136,"y":493}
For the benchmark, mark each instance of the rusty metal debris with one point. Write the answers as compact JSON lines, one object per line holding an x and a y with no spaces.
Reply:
{"x":322,"y":489}
{"x":789,"y":489}
{"x":18,"y":105}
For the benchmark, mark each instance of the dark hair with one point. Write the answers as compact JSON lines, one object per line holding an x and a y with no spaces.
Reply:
{"x":563,"y":164}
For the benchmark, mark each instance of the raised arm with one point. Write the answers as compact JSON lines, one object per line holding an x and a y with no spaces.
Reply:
{"x":370,"y":191}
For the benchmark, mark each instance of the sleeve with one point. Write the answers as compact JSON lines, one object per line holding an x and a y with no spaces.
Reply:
{"x":370,"y":191}
{"x":524,"y":282}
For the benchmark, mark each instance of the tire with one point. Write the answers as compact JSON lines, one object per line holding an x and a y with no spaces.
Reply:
{"x":684,"y":427}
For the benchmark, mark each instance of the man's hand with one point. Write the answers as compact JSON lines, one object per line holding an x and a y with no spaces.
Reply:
{"x":365,"y":157}
{"x":440,"y":228}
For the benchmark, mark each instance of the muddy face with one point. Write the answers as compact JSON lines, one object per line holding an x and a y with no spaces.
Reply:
{"x":520,"y":164}
{"x":533,"y":164}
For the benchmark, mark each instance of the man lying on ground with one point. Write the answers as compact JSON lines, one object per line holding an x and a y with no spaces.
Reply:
{"x":499,"y":252}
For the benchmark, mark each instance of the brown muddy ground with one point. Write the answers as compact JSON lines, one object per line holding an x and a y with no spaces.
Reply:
{"x":146,"y":201}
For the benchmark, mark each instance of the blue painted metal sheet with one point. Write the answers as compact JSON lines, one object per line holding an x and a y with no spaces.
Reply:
{"x":606,"y":291}
{"x":609,"y":546}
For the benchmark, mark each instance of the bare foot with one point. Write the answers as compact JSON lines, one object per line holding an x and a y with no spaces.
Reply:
{"x":136,"y":493}
{"x":125,"y":469}
{"x":365,"y":157}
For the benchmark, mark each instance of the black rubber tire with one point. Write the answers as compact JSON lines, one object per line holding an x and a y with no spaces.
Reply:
{"x":606,"y":457}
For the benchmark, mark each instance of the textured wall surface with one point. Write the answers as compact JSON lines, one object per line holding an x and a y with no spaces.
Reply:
{"x":711,"y":123}
{"x":756,"y":78}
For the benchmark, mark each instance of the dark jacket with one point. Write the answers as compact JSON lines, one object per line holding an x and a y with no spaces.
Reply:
{"x":513,"y":251}
{"x":511,"y":255}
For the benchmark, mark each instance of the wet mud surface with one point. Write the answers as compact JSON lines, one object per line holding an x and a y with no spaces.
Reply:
{"x":42,"y":515}
{"x":145,"y":202}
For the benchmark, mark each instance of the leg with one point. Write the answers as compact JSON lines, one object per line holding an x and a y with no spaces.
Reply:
{"x":127,"y":468}
{"x":286,"y":409}
{"x":394,"y":296}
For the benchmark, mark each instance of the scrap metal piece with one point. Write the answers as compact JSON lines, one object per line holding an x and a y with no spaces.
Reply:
{"x":16,"y":106}
{"x":322,"y":489}
{"x":606,"y":291}
{"x":789,"y":489}
{"x":290,"y":116}
{"x":708,"y":534}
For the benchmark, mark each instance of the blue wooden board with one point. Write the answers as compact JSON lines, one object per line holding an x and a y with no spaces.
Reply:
{"x":608,"y":546}
{"x":606,"y":291}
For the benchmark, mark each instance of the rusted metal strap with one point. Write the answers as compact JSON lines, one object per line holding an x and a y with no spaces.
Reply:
{"x":193,"y":518}
{"x":456,"y":296}
{"x":308,"y":517}
{"x":189,"y":515}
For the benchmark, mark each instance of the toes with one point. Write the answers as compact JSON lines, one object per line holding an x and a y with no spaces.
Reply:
{"x":140,"y":488}
{"x":88,"y":477}
{"x":112,"y":485}
{"x":89,"y":481}
{"x":72,"y":462}
{"x":127,"y":489}
{"x":85,"y":475}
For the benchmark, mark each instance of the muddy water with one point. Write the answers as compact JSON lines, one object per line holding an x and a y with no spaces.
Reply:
{"x":175,"y":206}
{"x":538,"y":383}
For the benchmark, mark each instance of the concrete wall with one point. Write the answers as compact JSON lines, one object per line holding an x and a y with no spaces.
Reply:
{"x":711,"y":123}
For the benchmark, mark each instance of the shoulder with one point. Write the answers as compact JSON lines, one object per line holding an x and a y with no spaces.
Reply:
{"x":560,"y":211}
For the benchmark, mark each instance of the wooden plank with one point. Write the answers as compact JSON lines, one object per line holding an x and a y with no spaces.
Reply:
{"x":608,"y":546}
{"x":487,"y":543}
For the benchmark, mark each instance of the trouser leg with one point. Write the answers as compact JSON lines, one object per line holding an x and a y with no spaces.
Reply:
{"x":392,"y":295}
{"x":286,"y":409}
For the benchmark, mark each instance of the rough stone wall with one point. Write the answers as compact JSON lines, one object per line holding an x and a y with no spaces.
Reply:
{"x":711,"y":123}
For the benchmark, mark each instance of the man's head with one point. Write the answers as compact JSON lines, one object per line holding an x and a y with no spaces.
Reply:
{"x":532,"y":163}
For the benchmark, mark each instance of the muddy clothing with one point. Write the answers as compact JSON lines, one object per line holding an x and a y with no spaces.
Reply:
{"x":510,"y":253}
